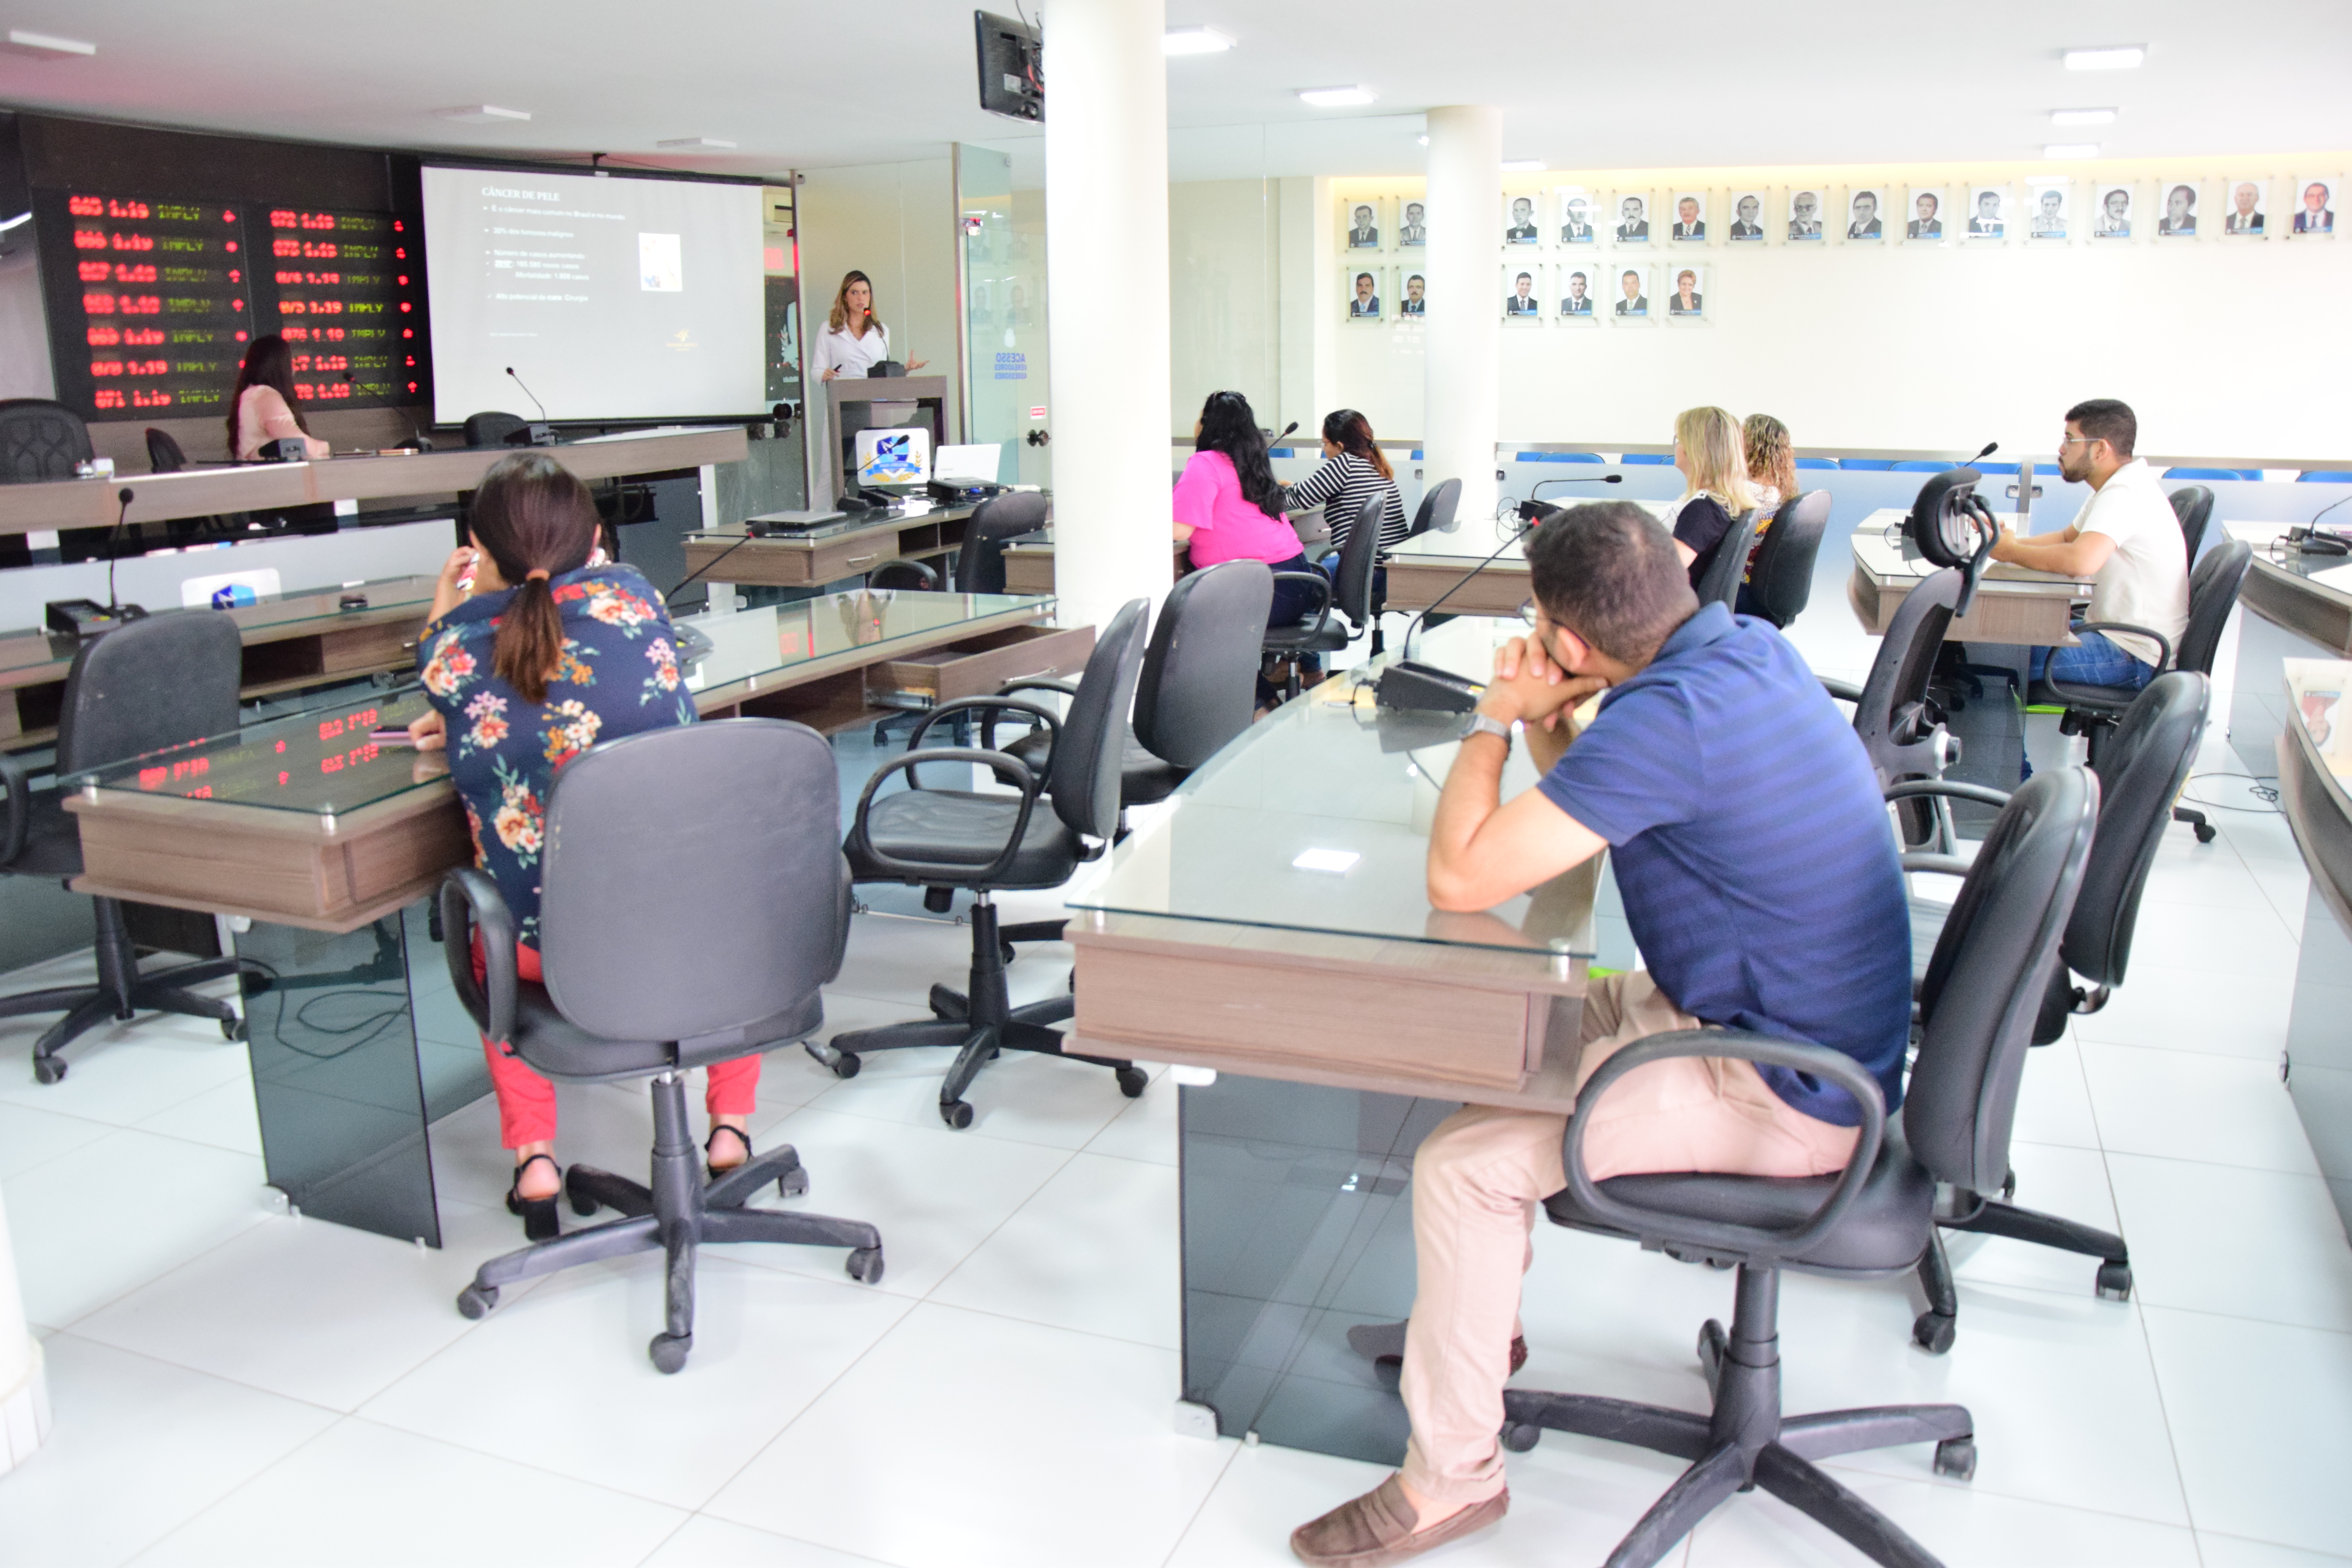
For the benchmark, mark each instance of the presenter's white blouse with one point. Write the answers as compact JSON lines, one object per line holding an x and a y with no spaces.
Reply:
{"x":836,"y":350}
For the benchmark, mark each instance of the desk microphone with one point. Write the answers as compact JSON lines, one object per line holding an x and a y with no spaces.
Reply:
{"x":1989,"y":448}
{"x":81,"y":617}
{"x":540,"y":434}
{"x":1533,"y":510}
{"x":1286,"y":430}
{"x":1414,"y":685}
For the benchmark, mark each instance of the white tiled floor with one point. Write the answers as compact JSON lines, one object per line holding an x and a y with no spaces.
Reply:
{"x":234,"y":1386}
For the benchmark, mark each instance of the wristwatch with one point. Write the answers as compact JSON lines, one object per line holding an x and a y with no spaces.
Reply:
{"x":1488,"y":725}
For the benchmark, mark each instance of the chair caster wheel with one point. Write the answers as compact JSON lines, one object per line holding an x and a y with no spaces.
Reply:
{"x":475,"y":1302}
{"x":582,"y":1205}
{"x":2114,"y":1281}
{"x":793,"y":1184}
{"x":1520,"y":1436}
{"x":865,"y":1265}
{"x":845,"y":1065}
{"x":1933,"y":1332}
{"x":48,"y":1069}
{"x":2009,"y":1187}
{"x":956,"y":1113}
{"x":667,"y":1352}
{"x":1133,"y":1081}
{"x":232,"y":1029}
{"x":1005,"y":950}
{"x":1711,"y":1343}
{"x":1957,"y":1457}
{"x":2205,"y":832}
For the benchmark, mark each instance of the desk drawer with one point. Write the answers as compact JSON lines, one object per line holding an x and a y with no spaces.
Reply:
{"x":978,"y":666}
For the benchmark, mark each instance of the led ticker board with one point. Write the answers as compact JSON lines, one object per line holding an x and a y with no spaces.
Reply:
{"x":153,"y":300}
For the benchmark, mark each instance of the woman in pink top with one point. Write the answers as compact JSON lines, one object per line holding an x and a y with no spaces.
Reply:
{"x":1229,"y":508}
{"x":261,"y":409}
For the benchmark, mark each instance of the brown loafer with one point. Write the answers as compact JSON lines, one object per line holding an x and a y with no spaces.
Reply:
{"x":1377,"y":1529}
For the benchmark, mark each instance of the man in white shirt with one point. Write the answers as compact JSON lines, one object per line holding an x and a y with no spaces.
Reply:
{"x":2128,"y":541}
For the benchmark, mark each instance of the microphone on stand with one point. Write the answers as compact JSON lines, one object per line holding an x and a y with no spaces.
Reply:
{"x":1533,"y":510}
{"x":541,"y":433}
{"x":1410,"y":684}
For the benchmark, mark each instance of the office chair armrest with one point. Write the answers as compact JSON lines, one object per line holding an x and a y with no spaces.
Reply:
{"x":2163,"y":643}
{"x":1981,"y":794}
{"x":1742,"y":1045}
{"x":995,"y":707}
{"x":1038,"y":683}
{"x":1321,"y":585}
{"x":472,"y":906}
{"x":1008,"y":768}
{"x":20,"y":808}
{"x":1922,"y":860}
{"x":2101,"y":699}
{"x":844,"y":905}
{"x":1844,"y":690}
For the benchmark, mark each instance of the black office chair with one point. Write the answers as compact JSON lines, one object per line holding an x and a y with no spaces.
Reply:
{"x":163,"y":452}
{"x":492,"y":428}
{"x":40,"y":439}
{"x":2139,"y":776}
{"x":942,"y":839}
{"x":980,"y":559}
{"x":1348,"y":591}
{"x":1780,"y":578}
{"x":2093,"y":712}
{"x":1436,"y":509}
{"x":1976,"y":1008}
{"x":899,"y":573}
{"x":1720,"y":583}
{"x":2193,"y":505}
{"x":1900,"y":726}
{"x":150,"y":684}
{"x":675,"y":932}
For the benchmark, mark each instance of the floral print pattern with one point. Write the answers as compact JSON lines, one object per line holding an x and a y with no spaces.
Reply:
{"x":506,"y":751}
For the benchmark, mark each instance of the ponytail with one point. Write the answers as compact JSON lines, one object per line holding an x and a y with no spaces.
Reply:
{"x":1352,"y":433}
{"x":531,"y":638}
{"x":537,"y":520}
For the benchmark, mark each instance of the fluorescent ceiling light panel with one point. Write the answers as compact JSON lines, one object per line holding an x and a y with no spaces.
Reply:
{"x":1522,"y":166}
{"x":483,"y":114}
{"x":2071,"y":150}
{"x":48,"y":46}
{"x":1335,"y":97}
{"x":2115,"y":57}
{"x":1194,"y":41}
{"x":1334,"y":860}
{"x":2081,"y":117}
{"x":695,"y":144}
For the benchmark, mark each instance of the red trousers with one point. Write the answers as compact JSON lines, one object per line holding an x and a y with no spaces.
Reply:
{"x":527,"y":1100}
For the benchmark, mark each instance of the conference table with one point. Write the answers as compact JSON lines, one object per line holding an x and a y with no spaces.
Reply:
{"x":2296,"y":607}
{"x":1270,"y":933}
{"x":323,"y":848}
{"x":2312,"y":754}
{"x":2014,"y":605}
{"x":829,"y":553}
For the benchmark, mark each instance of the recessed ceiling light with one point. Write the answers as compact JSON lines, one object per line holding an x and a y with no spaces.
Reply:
{"x":1522,"y":166}
{"x":2081,"y":117}
{"x":2114,"y":57}
{"x":1335,"y":97}
{"x":47,"y":46}
{"x":483,"y":114}
{"x":695,"y":144}
{"x":2071,"y":150}
{"x":1194,"y":41}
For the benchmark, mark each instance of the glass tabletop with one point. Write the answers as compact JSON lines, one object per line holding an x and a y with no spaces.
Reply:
{"x":1475,"y":537}
{"x":1316,"y":820}
{"x":28,"y":648}
{"x":2315,"y":690}
{"x":743,"y":645}
{"x":2272,"y":549}
{"x":1880,"y":549}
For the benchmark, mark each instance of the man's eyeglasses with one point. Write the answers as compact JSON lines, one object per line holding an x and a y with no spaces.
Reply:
{"x":2067,"y":441}
{"x":1527,"y":612}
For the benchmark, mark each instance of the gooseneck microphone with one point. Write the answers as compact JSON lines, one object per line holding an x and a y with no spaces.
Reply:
{"x":1534,"y":510}
{"x":114,"y":546}
{"x":541,"y":434}
{"x":1414,"y":685}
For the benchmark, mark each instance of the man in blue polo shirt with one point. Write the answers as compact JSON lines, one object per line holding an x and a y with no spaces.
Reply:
{"x":1761,"y":880}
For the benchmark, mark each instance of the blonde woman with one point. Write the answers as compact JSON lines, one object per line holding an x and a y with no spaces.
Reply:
{"x":853,"y":342}
{"x":1714,"y":472}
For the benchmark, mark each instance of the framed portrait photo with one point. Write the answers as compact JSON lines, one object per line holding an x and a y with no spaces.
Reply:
{"x":1686,"y":299}
{"x":1923,"y":215}
{"x":1520,"y":230}
{"x":1988,"y":214}
{"x":1579,"y":210}
{"x":2246,"y":207}
{"x":1629,"y":213}
{"x":1629,"y":292}
{"x":1412,"y":294}
{"x":1807,"y":221}
{"x":1689,"y":219}
{"x":2111,"y":212}
{"x":1747,"y":211}
{"x":1865,"y":215}
{"x":2315,"y":207}
{"x":2177,"y":210}
{"x":1412,"y":223}
{"x":1361,"y":228}
{"x":1582,"y":303}
{"x":1364,"y":291}
{"x":1523,"y":297}
{"x":2049,"y":217}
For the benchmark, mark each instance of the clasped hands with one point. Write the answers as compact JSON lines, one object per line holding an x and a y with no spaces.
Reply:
{"x":1530,"y":687}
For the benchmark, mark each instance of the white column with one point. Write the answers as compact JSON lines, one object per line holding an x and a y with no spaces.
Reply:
{"x":1106,"y":302}
{"x":1461,"y":398}
{"x":24,"y":1395}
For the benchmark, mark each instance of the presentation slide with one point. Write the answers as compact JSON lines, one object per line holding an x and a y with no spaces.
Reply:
{"x":612,"y":297}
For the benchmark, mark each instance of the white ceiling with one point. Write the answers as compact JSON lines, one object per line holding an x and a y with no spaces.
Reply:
{"x":796,"y":84}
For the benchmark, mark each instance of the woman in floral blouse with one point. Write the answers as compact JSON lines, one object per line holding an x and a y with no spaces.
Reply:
{"x":548,"y":653}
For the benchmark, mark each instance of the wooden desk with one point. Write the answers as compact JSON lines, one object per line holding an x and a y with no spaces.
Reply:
{"x":1029,"y":562}
{"x":2012,"y":605}
{"x":808,"y":561}
{"x":1425,"y":569}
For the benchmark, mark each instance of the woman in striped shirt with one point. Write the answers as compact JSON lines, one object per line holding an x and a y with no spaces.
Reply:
{"x":1353,"y":472}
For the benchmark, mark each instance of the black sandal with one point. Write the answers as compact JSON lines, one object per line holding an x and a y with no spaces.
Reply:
{"x":539,"y":1221}
{"x":713,"y":1171}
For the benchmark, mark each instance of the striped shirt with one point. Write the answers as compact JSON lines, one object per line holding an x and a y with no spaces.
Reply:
{"x":1342,"y":486}
{"x":1751,"y":850}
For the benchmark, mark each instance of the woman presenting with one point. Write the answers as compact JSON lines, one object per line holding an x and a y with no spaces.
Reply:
{"x":853,"y":342}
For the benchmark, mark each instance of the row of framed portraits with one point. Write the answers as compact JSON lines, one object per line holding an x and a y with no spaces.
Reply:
{"x":1575,"y":293}
{"x":2050,"y":209}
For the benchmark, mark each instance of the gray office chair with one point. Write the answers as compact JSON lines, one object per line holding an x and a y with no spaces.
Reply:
{"x":1720,"y":583}
{"x":903,"y":574}
{"x":1348,"y":591}
{"x":1977,"y":1008}
{"x":1780,"y":578}
{"x":2140,"y":776}
{"x":1901,"y":727}
{"x":150,"y":684}
{"x":40,"y":439}
{"x":1437,"y":510}
{"x":163,"y":452}
{"x":2093,"y":712}
{"x":492,"y":428}
{"x":980,"y":559}
{"x":2193,"y":505}
{"x":693,"y":902}
{"x":942,"y":839}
